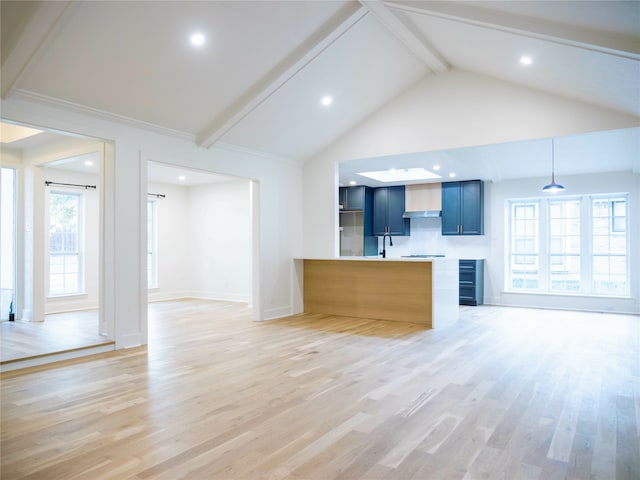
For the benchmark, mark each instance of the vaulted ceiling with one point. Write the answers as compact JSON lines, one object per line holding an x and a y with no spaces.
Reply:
{"x":258,"y":79}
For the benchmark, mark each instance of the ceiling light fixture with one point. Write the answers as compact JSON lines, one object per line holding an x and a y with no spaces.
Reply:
{"x":326,"y":101}
{"x":197,"y":39}
{"x":182,"y":177}
{"x":352,"y":182}
{"x":436,"y":168}
{"x":88,"y":163}
{"x":553,"y":187}
{"x":452,"y":174}
{"x":525,"y":60}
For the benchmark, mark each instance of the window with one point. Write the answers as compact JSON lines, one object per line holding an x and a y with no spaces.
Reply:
{"x":575,"y":245}
{"x":65,"y":242}
{"x":564,"y":245}
{"x":609,"y":237}
{"x":7,"y":243}
{"x":524,"y":245}
{"x":152,"y":255}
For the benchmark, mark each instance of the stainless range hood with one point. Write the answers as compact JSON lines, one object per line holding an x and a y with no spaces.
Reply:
{"x":422,"y":214}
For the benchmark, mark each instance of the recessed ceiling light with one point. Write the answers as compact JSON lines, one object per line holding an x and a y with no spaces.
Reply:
{"x":452,"y":174}
{"x":525,"y":60}
{"x":182,"y":177}
{"x":436,"y":168}
{"x":197,"y":39}
{"x":88,"y":163}
{"x":352,"y":182}
{"x":326,"y":101}
{"x":400,"y":175}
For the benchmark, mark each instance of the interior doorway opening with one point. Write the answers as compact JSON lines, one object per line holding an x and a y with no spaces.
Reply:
{"x":56,"y":247}
{"x":200,"y":238}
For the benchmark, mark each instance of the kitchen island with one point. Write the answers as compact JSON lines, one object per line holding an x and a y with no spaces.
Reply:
{"x":415,"y":290}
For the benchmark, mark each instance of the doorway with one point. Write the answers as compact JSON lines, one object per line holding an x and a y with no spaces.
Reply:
{"x":55,"y":249}
{"x":199,"y":236}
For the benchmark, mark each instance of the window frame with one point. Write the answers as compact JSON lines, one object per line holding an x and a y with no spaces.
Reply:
{"x":79,"y":241}
{"x":152,"y":241}
{"x":586,"y":238}
{"x":14,"y":244}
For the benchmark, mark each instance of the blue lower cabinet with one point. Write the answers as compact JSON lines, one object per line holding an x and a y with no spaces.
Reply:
{"x":471,"y":282}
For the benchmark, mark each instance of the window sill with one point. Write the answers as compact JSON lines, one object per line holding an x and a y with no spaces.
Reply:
{"x":70,"y":296}
{"x":566,"y":294}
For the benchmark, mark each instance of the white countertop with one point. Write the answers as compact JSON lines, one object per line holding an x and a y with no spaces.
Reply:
{"x":380,"y":259}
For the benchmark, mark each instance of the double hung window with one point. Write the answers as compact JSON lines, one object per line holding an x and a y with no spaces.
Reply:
{"x":66,"y":269}
{"x":152,"y":244}
{"x":572,"y":245}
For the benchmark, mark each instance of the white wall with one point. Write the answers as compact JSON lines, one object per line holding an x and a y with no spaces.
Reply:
{"x":173,"y":243}
{"x":279,"y":218}
{"x":220,"y":233}
{"x":204,"y":242}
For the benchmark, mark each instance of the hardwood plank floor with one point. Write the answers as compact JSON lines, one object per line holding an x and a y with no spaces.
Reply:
{"x":503,"y":393}
{"x":58,"y":333}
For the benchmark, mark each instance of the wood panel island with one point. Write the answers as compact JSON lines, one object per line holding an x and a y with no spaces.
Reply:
{"x":415,"y":290}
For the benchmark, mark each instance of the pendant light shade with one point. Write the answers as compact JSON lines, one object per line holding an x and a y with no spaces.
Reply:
{"x":553,"y":186}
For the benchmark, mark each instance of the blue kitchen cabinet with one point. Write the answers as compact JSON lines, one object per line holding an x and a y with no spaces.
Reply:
{"x":352,"y":198}
{"x":388,"y":211}
{"x":463,"y":208}
{"x":471,"y":282}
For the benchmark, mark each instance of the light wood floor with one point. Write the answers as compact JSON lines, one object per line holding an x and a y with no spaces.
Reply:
{"x":503,"y":393}
{"x":59,"y":332}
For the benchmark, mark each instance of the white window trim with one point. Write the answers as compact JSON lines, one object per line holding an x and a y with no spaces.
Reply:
{"x":81,"y":260}
{"x":586,"y":250}
{"x":154,"y":240}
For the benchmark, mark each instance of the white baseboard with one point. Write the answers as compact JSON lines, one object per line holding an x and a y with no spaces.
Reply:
{"x":279,"y":312}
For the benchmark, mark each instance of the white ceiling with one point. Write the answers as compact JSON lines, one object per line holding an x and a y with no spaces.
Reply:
{"x":258,"y":81}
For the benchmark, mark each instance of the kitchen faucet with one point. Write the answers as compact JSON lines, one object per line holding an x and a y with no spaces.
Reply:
{"x":383,"y":252}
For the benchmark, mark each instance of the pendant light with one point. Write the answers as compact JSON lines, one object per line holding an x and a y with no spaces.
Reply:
{"x":553,"y":187}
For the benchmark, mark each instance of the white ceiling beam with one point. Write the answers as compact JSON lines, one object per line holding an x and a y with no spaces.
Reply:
{"x":348,"y":16}
{"x":44,"y":23}
{"x":604,"y":42}
{"x":408,"y":35}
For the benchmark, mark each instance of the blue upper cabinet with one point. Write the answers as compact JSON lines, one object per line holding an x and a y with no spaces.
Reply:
{"x":463,"y":208}
{"x":352,"y":198}
{"x":388,"y":211}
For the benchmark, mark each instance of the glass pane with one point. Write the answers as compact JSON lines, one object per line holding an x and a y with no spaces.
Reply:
{"x":64,"y":243}
{"x":7,"y":243}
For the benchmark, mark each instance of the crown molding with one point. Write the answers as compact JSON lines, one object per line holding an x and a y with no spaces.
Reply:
{"x":256,"y":153}
{"x":45,"y":100}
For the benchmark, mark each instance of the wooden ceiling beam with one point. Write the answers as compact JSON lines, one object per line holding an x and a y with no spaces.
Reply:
{"x":322,"y":39}
{"x":44,"y":23}
{"x":625,"y":46}
{"x":408,"y":35}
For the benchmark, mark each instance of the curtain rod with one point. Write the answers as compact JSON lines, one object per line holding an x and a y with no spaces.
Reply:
{"x":157,"y":195}
{"x":86,"y":187}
